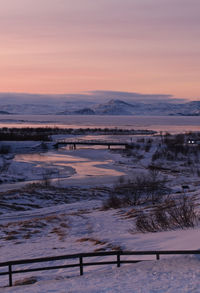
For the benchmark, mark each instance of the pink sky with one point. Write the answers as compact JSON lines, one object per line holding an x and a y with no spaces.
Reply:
{"x":65,"y":46}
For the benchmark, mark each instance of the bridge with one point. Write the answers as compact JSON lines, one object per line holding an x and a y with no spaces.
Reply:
{"x":74,"y":143}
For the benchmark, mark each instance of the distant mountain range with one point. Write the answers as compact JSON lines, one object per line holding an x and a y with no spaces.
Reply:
{"x":119,"y":107}
{"x":64,"y":106}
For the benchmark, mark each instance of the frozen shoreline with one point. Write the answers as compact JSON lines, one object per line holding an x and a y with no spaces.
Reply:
{"x":82,"y":167}
{"x":172,"y":124}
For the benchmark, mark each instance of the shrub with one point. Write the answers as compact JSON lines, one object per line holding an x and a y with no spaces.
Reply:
{"x":170,"y":215}
{"x":141,"y":189}
{"x":147,"y":147}
{"x":113,"y":202}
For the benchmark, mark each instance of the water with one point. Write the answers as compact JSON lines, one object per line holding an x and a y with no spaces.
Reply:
{"x":98,"y":166}
{"x":172,"y":124}
{"x":84,"y":165}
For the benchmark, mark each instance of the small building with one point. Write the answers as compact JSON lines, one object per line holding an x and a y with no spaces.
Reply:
{"x":193,"y":142}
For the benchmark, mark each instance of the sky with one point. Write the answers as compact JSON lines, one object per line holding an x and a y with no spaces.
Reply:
{"x":65,"y":46}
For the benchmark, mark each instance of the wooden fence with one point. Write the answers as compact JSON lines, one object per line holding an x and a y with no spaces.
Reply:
{"x":80,"y":263}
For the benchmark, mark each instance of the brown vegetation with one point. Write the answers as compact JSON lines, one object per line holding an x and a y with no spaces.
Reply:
{"x":171,"y":214}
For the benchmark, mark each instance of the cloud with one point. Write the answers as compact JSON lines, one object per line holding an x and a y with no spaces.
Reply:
{"x":90,"y":96}
{"x":135,"y":97}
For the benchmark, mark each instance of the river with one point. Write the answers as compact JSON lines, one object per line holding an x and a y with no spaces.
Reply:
{"x":90,"y":166}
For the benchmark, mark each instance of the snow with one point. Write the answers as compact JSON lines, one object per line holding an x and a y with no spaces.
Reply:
{"x":84,"y":224}
{"x":67,"y":227}
{"x":62,"y":105}
{"x":165,"y":276}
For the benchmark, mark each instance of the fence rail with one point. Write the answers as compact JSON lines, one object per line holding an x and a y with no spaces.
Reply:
{"x":80,"y":256}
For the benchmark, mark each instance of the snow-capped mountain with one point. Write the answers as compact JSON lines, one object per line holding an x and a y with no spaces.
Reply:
{"x":114,"y":107}
{"x":119,"y":107}
{"x":96,"y":105}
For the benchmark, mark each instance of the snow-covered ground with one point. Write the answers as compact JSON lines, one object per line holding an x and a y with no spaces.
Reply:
{"x":180,"y":275}
{"x":84,"y":227}
{"x":38,"y":221}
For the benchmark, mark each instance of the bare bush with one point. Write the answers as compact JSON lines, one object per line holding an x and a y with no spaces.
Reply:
{"x":147,"y":147}
{"x":47,"y":176}
{"x":141,"y":189}
{"x":113,"y":202}
{"x":169,"y":215}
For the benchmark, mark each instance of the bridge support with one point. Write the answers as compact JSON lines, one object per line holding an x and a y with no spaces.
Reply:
{"x":109,"y":146}
{"x":74,"y":146}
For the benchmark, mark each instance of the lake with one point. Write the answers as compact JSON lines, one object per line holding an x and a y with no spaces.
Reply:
{"x":172,"y":124}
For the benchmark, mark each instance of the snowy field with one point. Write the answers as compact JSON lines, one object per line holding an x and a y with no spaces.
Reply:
{"x":84,"y":227}
{"x":64,"y":214}
{"x":166,"y":276}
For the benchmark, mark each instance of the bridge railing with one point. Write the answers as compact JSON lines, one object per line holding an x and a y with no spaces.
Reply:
{"x":65,"y":141}
{"x":80,"y":257}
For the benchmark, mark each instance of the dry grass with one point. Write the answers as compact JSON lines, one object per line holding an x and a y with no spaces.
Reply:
{"x":25,"y":281}
{"x":59,"y":232}
{"x":80,"y":212}
{"x":11,"y":235}
{"x":94,"y":241}
{"x":64,"y":225}
{"x":28,"y":228}
{"x":27,"y":235}
{"x":132,"y":213}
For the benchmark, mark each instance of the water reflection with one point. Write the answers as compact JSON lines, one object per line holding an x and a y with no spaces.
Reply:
{"x":62,"y":163}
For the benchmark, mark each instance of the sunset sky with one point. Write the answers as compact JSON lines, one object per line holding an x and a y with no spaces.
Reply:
{"x":71,"y":46}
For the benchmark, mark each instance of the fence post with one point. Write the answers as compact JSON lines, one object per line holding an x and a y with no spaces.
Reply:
{"x":118,"y":259}
{"x":81,"y":265}
{"x":157,"y":256}
{"x":10,"y":274}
